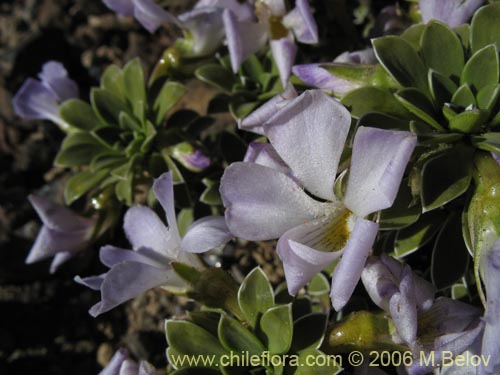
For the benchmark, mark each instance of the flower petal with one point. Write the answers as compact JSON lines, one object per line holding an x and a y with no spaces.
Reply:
{"x":114,"y":365}
{"x":122,"y":7}
{"x":309,"y":134}
{"x":264,"y":154}
{"x":206,"y":234}
{"x":92,"y":282}
{"x":348,"y":271}
{"x":163,"y":188}
{"x":242,"y":10}
{"x":206,"y":29}
{"x":244,"y":38}
{"x":284,"y":51}
{"x":55,"y":76}
{"x":315,"y":75}
{"x":255,"y":120}
{"x":111,"y":256}
{"x":36,"y":101}
{"x":277,"y":7}
{"x":451,"y":12}
{"x":151,"y":15}
{"x":302,"y":22}
{"x":379,"y":159}
{"x":144,"y":228}
{"x":262,"y":203}
{"x":305,"y":251}
{"x":59,"y":259}
{"x":129,"y":279}
{"x":403,"y":308}
{"x":365,"y":56}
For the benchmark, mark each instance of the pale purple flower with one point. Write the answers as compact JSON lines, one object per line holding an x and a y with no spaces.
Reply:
{"x":424,"y":323}
{"x":190,"y":157}
{"x":62,"y":235}
{"x":203,"y":27}
{"x":263,"y":202}
{"x":274,"y":24}
{"x":155,"y":246}
{"x":121,"y":364}
{"x":317,"y":75}
{"x":452,"y":12}
{"x":41,"y":99}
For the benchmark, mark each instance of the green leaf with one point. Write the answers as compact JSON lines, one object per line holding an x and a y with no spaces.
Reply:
{"x":441,"y":50}
{"x":208,"y":320}
{"x":402,"y":213}
{"x":417,"y":103}
{"x":81,"y":183}
{"x":463,"y":97}
{"x":124,"y":190}
{"x":487,"y":98}
{"x":172,"y":167}
{"x":241,"y":110}
{"x":253,"y":68}
{"x":308,"y":332}
{"x":413,"y":34}
{"x":318,"y":286}
{"x":211,"y":194}
{"x":481,"y":69}
{"x":234,"y":337}
{"x":488,"y":142}
{"x":189,"y":339}
{"x":277,"y":326}
{"x":168,"y":97}
{"x":107,"y":106}
{"x":382,"y":121}
{"x":78,"y":114}
{"x":412,"y":238}
{"x":78,"y":149}
{"x":107,"y":161}
{"x":196,"y":371}
{"x":441,"y":88}
{"x":446,"y":177}
{"x":468,"y":121}
{"x":135,"y":87}
{"x":463,"y":33}
{"x":184,"y":219}
{"x":372,"y":99}
{"x":255,"y":296}
{"x":485,"y":29}
{"x":450,"y":258}
{"x":217,"y":76}
{"x":112,"y":81}
{"x":128,"y":122}
{"x":322,"y":364}
{"x":401,"y":61}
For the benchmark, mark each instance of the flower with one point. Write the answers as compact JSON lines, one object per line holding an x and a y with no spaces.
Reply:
{"x":203,"y":28}
{"x":155,"y":246}
{"x":317,"y":75}
{"x":41,"y":99}
{"x":121,"y":364}
{"x":452,"y":12}
{"x":426,"y":324}
{"x":263,"y":203}
{"x":63,"y":233}
{"x":245,"y":37}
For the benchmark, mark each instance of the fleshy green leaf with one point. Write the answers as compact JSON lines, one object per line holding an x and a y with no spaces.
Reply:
{"x":402,"y":213}
{"x":372,"y":99}
{"x":463,"y":33}
{"x":112,"y":81}
{"x":107,"y":106}
{"x":277,"y":326}
{"x":135,"y":88}
{"x":481,"y":69}
{"x":78,"y":114}
{"x":488,"y":142}
{"x":441,"y":50}
{"x":468,"y":121}
{"x":463,"y":97}
{"x":410,"y":239}
{"x":78,"y":149}
{"x":413,"y":34}
{"x":318,"y":286}
{"x":211,"y":194}
{"x":308,"y":332}
{"x":441,"y":87}
{"x":401,"y":61}
{"x":235,"y":337}
{"x":485,"y":28}
{"x":184,"y":219}
{"x":81,"y":183}
{"x":487,"y":98}
{"x":306,"y":357}
{"x":255,"y":296}
{"x":167,"y":98}
{"x":217,"y":76}
{"x":449,"y":257}
{"x":417,"y":103}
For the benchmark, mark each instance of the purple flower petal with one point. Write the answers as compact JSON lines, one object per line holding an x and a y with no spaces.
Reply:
{"x":255,"y":120}
{"x":264,"y":154}
{"x":365,"y":56}
{"x":316,"y":76}
{"x":122,"y":7}
{"x":303,"y":253}
{"x":243,"y":10}
{"x":277,"y":7}
{"x":59,"y":259}
{"x":146,"y":369}
{"x":111,"y":256}
{"x":55,"y":76}
{"x":348,"y":271}
{"x":309,"y":134}
{"x":163,"y":188}
{"x":92,"y":282}
{"x":451,"y":12}
{"x":206,"y":29}
{"x":403,"y":307}
{"x":262,"y":203}
{"x":114,"y":365}
{"x":151,"y":15}
{"x":302,"y":22}
{"x":284,"y":51}
{"x":145,"y":229}
{"x":129,"y":367}
{"x":206,"y":234}
{"x":379,"y":159}
{"x":244,"y":38}
{"x":129,"y":279}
